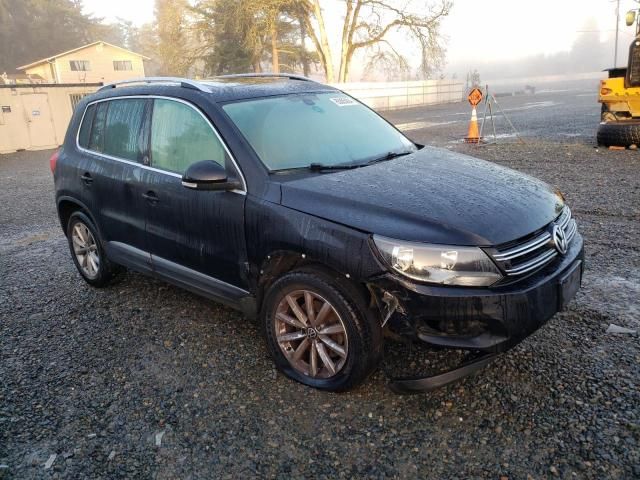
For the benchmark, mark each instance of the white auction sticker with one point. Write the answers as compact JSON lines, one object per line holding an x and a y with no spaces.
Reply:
{"x":343,"y":101}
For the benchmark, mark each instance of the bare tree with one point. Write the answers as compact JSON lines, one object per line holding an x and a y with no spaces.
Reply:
{"x":313,"y":18}
{"x":368,"y":23}
{"x":391,"y":64}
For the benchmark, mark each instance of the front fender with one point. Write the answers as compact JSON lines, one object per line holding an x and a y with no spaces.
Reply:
{"x":272,"y":228}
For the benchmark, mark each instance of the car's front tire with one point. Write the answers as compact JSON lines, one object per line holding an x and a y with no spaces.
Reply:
{"x":87,"y":251}
{"x":319,"y":334}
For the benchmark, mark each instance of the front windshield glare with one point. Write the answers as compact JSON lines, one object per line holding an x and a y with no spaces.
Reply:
{"x":295,"y":131}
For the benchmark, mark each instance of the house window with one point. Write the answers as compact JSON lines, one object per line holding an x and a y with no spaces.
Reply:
{"x":122,"y":65}
{"x":75,"y":99}
{"x":80,"y":65}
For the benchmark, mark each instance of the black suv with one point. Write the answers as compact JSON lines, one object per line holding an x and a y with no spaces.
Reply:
{"x":293,"y":202}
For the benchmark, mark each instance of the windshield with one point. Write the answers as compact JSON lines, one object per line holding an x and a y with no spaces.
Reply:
{"x":295,"y":131}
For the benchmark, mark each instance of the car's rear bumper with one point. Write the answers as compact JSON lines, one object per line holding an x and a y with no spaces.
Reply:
{"x":489,"y":320}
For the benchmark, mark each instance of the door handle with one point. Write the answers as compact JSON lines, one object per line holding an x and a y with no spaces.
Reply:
{"x":150,"y":197}
{"x":86,"y":178}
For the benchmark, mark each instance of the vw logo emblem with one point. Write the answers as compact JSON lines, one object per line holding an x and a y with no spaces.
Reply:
{"x":559,"y":239}
{"x":312,"y":333}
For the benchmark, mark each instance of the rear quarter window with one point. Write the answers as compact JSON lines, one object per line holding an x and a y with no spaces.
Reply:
{"x":96,"y":138}
{"x":85,"y":127}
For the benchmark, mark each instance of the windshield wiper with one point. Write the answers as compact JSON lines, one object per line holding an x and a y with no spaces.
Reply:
{"x":319,"y":167}
{"x":387,"y":156}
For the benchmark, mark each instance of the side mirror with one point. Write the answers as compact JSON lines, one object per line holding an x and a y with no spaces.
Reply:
{"x":630,"y":17}
{"x":208,"y":175}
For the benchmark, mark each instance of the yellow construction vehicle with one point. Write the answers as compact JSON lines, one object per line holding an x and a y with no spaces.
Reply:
{"x":620,"y":98}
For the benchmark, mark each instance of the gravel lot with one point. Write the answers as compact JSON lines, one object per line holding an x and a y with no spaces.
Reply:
{"x":145,"y":380}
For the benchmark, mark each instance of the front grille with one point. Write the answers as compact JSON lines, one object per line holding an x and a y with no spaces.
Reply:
{"x":633,"y":70}
{"x":535,"y":251}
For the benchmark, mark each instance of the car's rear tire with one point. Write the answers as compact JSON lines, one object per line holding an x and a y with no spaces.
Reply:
{"x":318,"y":333}
{"x":619,"y":134}
{"x":87,"y":252}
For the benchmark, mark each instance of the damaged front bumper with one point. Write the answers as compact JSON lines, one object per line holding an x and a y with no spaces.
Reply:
{"x":485,"y":320}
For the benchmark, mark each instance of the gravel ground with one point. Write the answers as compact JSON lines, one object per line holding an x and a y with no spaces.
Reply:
{"x":145,"y":380}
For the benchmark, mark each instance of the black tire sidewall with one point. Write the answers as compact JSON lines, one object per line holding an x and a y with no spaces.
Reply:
{"x":619,"y":134}
{"x":358,"y":364}
{"x":104,"y":270}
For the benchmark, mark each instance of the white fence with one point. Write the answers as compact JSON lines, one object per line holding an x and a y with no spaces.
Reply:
{"x":391,"y":95}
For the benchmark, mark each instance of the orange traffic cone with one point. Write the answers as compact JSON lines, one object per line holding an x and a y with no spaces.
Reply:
{"x":474,"y":135}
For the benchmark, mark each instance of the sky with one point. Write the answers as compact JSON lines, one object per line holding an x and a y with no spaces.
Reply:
{"x":496,"y":29}
{"x":136,"y":11}
{"x":509,"y":29}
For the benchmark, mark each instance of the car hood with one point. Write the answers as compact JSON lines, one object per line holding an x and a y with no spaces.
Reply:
{"x":432,"y":195}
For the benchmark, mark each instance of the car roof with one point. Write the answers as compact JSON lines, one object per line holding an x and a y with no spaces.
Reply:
{"x":225,"y":88}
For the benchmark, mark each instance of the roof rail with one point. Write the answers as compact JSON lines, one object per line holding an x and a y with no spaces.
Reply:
{"x":183,"y":82}
{"x":292,"y":76}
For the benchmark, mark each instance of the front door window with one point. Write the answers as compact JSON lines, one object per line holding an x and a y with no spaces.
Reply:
{"x":180,"y":136}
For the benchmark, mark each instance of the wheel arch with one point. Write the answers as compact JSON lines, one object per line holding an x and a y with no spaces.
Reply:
{"x":67,"y":206}
{"x":281,"y":262}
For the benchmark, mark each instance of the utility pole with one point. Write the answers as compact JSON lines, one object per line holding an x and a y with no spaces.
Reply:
{"x":615,"y":53}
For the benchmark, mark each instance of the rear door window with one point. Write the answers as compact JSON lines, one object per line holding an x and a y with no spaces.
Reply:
{"x":123,"y":136}
{"x":181,"y":136}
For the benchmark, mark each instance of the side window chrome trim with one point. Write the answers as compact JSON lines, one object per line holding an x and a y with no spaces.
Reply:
{"x":172,"y":174}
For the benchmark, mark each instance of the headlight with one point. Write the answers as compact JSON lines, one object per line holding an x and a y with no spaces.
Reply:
{"x":442,"y":264}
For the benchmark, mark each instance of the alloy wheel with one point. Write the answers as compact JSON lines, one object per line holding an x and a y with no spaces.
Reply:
{"x":85,"y":249}
{"x":311,"y":334}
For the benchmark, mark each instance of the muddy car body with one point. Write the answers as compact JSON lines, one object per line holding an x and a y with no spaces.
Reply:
{"x":443,"y":248}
